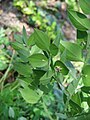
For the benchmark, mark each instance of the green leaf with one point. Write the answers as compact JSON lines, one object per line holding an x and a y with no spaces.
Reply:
{"x":85,"y":6}
{"x":23,"y":69}
{"x":53,"y":50}
{"x":86,"y":89}
{"x":38,"y":60}
{"x":79,"y":20}
{"x":57,"y":40}
{"x":73,"y":50}
{"x":45,"y":79}
{"x":82,"y":38}
{"x":76,"y":98}
{"x":35,"y":50}
{"x":22,"y":118}
{"x":86,"y":75}
{"x":17,"y":45}
{"x":42,"y":40}
{"x":29,"y":95}
{"x":18,"y":38}
{"x":3,"y":63}
{"x":63,"y":69}
{"x":21,"y":49}
{"x":31,"y":39}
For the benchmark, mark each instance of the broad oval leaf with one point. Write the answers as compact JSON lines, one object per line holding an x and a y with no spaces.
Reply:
{"x":23,"y":69}
{"x":85,"y":6}
{"x":86,"y":75}
{"x":79,"y":20}
{"x":29,"y":95}
{"x":42,"y":40}
{"x":38,"y":60}
{"x":73,"y":51}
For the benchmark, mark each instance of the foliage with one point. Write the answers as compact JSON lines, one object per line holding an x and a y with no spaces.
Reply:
{"x":3,"y":50}
{"x":52,"y":76}
{"x":43,"y":69}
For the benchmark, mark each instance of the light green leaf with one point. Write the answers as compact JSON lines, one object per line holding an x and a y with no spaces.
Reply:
{"x":79,"y":20}
{"x":85,"y":6}
{"x":45,"y":79}
{"x":38,"y":60}
{"x":29,"y":95}
{"x":86,"y":75}
{"x":42,"y":40}
{"x":22,"y":118}
{"x":11,"y":112}
{"x":82,"y":35}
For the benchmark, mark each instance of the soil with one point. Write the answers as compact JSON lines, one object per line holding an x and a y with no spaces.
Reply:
{"x":11,"y":18}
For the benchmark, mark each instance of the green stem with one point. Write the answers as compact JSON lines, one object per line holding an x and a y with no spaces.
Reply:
{"x":46,"y":110}
{"x":2,"y":80}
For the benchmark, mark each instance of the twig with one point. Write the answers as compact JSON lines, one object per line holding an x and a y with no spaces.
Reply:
{"x":2,"y":80}
{"x":46,"y":110}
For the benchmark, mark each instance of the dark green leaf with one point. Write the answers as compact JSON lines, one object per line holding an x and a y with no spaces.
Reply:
{"x":42,"y":40}
{"x":25,"y":38}
{"x":79,"y":20}
{"x":53,"y":50}
{"x":86,"y":89}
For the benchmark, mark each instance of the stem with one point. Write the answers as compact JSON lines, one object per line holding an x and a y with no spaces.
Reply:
{"x":2,"y":80}
{"x":46,"y":110}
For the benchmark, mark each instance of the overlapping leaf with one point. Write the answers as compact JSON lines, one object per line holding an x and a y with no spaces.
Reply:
{"x":73,"y":50}
{"x":79,"y":20}
{"x":38,"y":60}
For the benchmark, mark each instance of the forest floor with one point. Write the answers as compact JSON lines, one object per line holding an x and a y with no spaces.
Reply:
{"x":13,"y":19}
